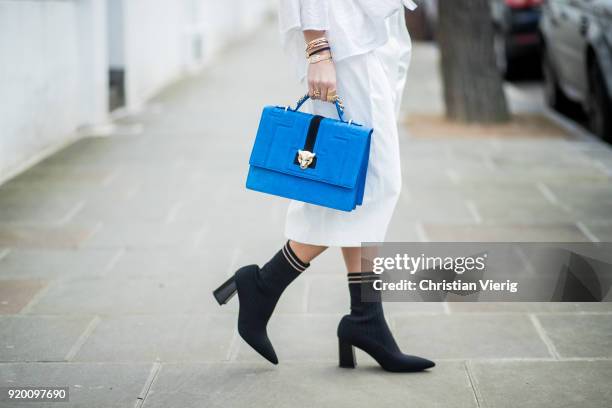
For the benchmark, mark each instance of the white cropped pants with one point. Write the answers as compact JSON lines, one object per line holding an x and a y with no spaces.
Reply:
{"x":370,"y":86}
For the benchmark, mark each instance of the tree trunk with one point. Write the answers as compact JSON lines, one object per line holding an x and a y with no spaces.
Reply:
{"x":473,"y":87}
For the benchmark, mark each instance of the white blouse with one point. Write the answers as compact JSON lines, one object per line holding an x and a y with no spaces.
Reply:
{"x":353,"y":27}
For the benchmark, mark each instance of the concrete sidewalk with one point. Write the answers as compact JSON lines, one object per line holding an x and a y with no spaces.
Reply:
{"x":109,"y":251}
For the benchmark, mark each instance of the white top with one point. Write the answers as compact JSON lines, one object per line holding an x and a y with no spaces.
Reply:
{"x":353,"y":27}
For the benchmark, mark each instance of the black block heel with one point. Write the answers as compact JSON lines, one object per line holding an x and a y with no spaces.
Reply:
{"x":226,"y":291}
{"x":346,"y":353}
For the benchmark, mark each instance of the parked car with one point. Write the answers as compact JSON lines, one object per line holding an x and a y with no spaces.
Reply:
{"x":577,"y":58}
{"x":517,"y":37}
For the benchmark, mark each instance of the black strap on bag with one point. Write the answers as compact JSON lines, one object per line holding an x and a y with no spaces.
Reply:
{"x":311,"y":138}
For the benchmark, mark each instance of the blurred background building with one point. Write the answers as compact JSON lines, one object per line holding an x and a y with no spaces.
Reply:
{"x":66,"y":64}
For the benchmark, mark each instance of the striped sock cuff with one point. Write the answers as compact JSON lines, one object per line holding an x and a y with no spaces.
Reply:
{"x":362,"y":277}
{"x":293,"y":260}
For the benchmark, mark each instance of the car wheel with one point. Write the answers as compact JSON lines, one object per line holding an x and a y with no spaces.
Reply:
{"x":600,"y":105}
{"x":501,"y":53}
{"x":555,"y":98}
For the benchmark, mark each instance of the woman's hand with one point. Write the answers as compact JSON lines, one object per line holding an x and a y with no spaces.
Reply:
{"x":322,"y":78}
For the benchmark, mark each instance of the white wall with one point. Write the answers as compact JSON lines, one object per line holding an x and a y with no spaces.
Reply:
{"x":153,"y":30}
{"x":42,"y":66}
{"x":93,"y":61}
{"x":159,"y":38}
{"x":115,"y":33}
{"x":55,"y":57}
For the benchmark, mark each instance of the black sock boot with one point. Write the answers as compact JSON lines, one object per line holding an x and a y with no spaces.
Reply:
{"x":258,"y":292}
{"x":366,"y":328}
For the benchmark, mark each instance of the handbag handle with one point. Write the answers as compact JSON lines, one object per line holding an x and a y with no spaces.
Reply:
{"x":338,"y":103}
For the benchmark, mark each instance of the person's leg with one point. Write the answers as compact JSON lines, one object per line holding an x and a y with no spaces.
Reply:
{"x":306,"y":252}
{"x":365,"y":327}
{"x":259,"y":290}
{"x":352,"y":259}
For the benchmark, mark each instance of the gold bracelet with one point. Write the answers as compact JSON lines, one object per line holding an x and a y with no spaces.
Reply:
{"x":316,"y":43}
{"x":317,"y":49}
{"x":318,"y":58}
{"x":309,"y":51}
{"x":316,"y":40}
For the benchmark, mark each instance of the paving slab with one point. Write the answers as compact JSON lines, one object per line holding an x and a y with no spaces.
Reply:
{"x":508,"y":155}
{"x":91,"y":385}
{"x":307,"y":385}
{"x":439,"y":177}
{"x":187,"y":338}
{"x":294,"y":298}
{"x":600,"y":231}
{"x":521,"y":175}
{"x":148,"y":182}
{"x":87,"y":176}
{"x":566,"y":384}
{"x":530,"y":307}
{"x":16,"y":294}
{"x":127,"y":210}
{"x":525,"y":210}
{"x":41,"y":210}
{"x":84,"y":152}
{"x":125,"y":296}
{"x":519,"y":209}
{"x":585,"y":336}
{"x":429,"y":194}
{"x":472,"y":336}
{"x":328,"y":294}
{"x":450,"y":212}
{"x":55,"y":263}
{"x":169,"y":263}
{"x":403,"y":229}
{"x":592,"y":211}
{"x":434,"y":102}
{"x":505,"y":232}
{"x":27,"y":191}
{"x":600,"y":192}
{"x":298,"y":338}
{"x":140,"y":235}
{"x":44,"y":236}
{"x":39,"y":338}
{"x":498,"y":192}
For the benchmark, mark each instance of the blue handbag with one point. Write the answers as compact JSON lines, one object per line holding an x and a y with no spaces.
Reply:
{"x":310,"y":158}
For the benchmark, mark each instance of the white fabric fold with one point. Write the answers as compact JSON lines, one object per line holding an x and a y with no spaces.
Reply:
{"x":303,"y":14}
{"x":354,"y":27}
{"x":315,"y":14}
{"x":381,"y":9}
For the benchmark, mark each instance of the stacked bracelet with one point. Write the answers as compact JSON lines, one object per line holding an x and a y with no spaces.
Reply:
{"x":316,"y":42}
{"x":317,"y":45}
{"x":314,"y":49}
{"x":318,"y":58}
{"x":318,"y":51}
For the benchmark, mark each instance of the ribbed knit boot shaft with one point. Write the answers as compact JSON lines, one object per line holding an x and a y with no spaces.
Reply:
{"x":280,"y":271}
{"x":367,"y":311}
{"x":364,"y":298}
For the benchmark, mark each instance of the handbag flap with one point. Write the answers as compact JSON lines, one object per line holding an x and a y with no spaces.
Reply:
{"x":340,"y":148}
